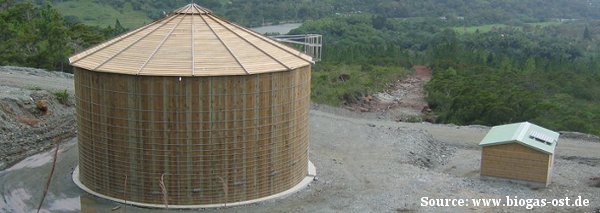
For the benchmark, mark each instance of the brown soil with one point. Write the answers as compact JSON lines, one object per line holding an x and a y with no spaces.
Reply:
{"x":405,"y":98}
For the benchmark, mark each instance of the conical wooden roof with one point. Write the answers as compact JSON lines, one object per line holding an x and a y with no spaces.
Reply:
{"x":191,"y":41}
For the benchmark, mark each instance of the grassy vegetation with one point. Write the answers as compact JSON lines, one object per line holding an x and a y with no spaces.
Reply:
{"x":489,"y":27}
{"x":545,"y":24}
{"x":482,"y":29}
{"x":62,"y":97}
{"x":256,"y":13}
{"x":92,"y":13}
{"x":334,"y":84}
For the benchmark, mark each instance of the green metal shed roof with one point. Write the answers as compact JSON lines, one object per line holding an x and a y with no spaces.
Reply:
{"x":526,"y":133}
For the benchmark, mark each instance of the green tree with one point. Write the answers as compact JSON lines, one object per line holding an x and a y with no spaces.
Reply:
{"x":34,"y":37}
{"x":530,"y":65}
{"x":52,"y":44}
{"x":119,"y":29}
{"x":586,"y":34}
{"x":379,"y":22}
{"x":5,"y":4}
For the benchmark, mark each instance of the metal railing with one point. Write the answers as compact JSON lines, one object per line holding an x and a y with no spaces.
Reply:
{"x":312,"y":43}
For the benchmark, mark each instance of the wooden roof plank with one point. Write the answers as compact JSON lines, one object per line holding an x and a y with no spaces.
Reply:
{"x":245,"y":39}
{"x":132,"y":44}
{"x":91,"y":51}
{"x":227,"y":47}
{"x":159,"y":46}
{"x":273,"y":42}
{"x":193,"y":47}
{"x":216,"y":47}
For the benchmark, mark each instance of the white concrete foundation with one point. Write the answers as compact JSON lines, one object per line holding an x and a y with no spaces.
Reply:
{"x":312,"y":173}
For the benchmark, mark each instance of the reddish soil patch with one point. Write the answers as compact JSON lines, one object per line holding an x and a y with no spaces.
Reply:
{"x":27,"y":120}
{"x":423,"y":73}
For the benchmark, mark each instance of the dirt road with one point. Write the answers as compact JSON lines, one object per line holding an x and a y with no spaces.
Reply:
{"x":403,"y":100}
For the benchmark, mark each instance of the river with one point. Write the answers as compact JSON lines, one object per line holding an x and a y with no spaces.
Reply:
{"x":280,"y":28}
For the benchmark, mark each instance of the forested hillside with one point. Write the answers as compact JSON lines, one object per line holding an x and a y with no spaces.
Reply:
{"x":513,"y":63}
{"x":133,"y":13}
{"x":548,"y":74}
{"x":38,"y":36}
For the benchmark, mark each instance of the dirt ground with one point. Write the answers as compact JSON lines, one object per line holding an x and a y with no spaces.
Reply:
{"x":402,"y":100}
{"x":24,"y":128}
{"x":366,"y":162}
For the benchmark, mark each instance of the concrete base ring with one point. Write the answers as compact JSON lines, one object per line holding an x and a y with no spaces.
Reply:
{"x":312,"y":173}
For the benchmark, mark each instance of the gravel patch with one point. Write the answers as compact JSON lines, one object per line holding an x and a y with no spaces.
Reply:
{"x":25,"y":129}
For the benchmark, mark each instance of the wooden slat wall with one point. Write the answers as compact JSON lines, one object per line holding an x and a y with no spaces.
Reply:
{"x":249,"y":133}
{"x":515,"y":161}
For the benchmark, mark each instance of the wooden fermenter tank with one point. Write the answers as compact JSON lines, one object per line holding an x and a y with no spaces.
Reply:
{"x":191,"y":110}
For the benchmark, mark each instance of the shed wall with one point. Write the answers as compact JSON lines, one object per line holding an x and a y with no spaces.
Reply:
{"x":515,"y":161}
{"x":215,"y":139}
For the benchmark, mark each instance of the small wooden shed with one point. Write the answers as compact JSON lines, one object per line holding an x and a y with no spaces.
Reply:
{"x":521,"y":151}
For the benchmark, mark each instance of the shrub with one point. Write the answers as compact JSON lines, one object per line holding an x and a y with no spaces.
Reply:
{"x":62,"y":97}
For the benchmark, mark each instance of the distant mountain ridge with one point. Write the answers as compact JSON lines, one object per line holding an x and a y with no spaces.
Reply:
{"x":134,"y":13}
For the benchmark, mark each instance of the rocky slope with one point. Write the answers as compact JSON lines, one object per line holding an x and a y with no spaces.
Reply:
{"x":35,"y":111}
